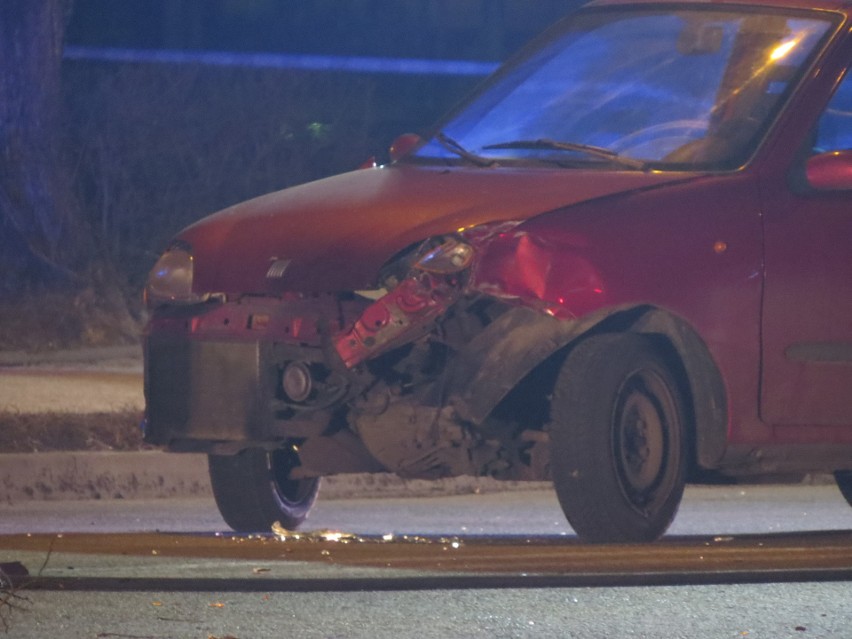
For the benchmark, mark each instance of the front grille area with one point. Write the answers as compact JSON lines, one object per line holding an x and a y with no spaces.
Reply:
{"x":207,"y":390}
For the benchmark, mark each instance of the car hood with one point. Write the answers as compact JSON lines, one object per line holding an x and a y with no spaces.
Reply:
{"x":335,"y":234}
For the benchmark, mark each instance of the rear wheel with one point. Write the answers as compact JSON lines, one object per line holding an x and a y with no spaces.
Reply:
{"x":618,"y":440}
{"x":252,"y":490}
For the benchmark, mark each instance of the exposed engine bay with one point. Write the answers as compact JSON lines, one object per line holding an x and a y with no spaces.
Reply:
{"x":425,"y":377}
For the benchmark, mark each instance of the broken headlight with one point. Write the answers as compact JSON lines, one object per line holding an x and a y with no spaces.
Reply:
{"x":451,"y":256}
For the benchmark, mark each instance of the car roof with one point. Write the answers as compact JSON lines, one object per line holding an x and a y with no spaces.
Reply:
{"x":825,"y":5}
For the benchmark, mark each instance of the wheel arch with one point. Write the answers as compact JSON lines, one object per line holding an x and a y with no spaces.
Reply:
{"x":522,"y":341}
{"x":702,"y":382}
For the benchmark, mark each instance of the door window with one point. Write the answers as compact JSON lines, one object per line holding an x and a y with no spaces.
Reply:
{"x":834,"y":132}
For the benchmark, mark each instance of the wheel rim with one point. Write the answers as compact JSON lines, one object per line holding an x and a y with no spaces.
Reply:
{"x":641,"y":446}
{"x":290,"y":492}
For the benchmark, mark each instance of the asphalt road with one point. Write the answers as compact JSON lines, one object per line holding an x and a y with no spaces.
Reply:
{"x":705,"y":511}
{"x":143,"y":583}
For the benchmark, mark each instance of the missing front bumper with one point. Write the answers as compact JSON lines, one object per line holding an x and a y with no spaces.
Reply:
{"x":207,"y":391}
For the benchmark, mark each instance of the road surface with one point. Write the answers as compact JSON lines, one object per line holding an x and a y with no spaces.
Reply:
{"x":176,"y":584}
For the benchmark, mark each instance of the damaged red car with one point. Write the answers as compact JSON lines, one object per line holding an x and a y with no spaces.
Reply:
{"x":623,"y":264}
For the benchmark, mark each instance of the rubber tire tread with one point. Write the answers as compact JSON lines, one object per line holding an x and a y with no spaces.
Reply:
{"x":582,"y":461}
{"x":244,"y":492}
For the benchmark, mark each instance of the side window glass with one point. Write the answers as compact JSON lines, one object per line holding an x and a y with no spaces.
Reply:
{"x":834,"y":132}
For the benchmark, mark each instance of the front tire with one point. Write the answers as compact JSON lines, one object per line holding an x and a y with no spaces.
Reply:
{"x":252,"y":490}
{"x":618,"y":440}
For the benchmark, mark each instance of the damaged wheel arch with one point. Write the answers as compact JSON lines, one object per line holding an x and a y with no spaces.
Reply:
{"x":522,"y":340}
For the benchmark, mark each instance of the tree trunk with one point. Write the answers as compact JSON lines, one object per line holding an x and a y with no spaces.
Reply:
{"x":38,"y":238}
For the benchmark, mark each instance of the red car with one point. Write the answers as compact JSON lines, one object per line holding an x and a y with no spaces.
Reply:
{"x":624,"y":264}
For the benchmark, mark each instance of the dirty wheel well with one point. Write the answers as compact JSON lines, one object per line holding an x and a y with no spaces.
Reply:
{"x":529,"y":402}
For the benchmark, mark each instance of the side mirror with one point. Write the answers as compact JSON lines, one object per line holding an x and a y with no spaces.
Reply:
{"x":830,"y":171}
{"x":404,"y":145}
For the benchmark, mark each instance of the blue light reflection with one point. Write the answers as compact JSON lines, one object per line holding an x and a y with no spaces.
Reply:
{"x":349,"y":64}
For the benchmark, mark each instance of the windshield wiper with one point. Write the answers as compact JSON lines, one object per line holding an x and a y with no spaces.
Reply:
{"x":454,"y":147}
{"x":596,"y":151}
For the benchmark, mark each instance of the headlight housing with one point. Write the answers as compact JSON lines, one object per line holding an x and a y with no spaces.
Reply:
{"x":451,"y":256}
{"x":170,"y":281}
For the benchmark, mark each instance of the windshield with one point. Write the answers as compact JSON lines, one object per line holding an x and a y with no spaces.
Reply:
{"x":686,"y":88}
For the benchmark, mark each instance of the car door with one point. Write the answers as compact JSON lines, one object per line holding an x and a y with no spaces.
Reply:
{"x":807,"y":309}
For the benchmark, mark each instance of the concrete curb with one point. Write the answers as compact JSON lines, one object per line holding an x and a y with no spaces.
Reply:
{"x":156,"y":475}
{"x":91,"y":355}
{"x":101,"y":475}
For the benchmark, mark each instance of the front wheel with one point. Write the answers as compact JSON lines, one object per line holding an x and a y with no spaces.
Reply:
{"x":253,"y":491}
{"x":618,"y":440}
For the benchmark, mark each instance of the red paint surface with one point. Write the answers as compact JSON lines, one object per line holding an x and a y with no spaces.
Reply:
{"x":753,"y":263}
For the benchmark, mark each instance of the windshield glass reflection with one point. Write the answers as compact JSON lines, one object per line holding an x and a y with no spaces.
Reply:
{"x":688,"y":89}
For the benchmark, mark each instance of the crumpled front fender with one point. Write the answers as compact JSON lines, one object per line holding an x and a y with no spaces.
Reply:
{"x":505,"y":352}
{"x":521,"y":339}
{"x":551,"y":273}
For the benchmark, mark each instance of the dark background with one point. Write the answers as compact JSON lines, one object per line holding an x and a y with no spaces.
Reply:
{"x":476,"y":29}
{"x":165,"y":143}
{"x":119,"y":155}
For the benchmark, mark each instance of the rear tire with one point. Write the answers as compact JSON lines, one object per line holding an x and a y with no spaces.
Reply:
{"x":252,"y":490}
{"x":618,"y":442}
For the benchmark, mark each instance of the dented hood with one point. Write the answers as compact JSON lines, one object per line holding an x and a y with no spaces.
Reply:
{"x":336,"y":233}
